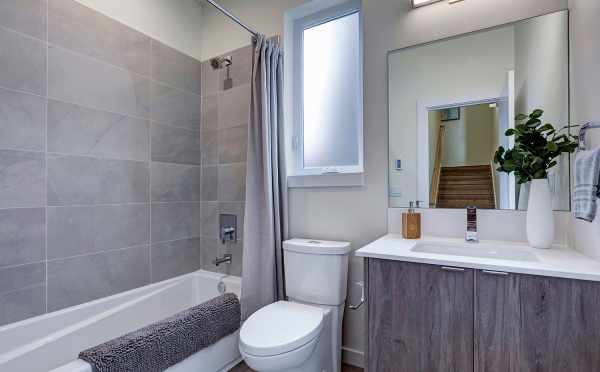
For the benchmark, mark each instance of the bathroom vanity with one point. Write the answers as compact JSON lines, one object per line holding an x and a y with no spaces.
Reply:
{"x":443,"y":305}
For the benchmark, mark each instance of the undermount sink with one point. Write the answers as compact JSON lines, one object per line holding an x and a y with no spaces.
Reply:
{"x":479,"y":250}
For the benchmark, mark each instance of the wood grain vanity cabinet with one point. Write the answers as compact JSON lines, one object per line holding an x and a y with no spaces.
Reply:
{"x":427,"y":318}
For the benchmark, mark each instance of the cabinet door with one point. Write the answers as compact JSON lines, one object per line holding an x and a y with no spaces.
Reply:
{"x":447,"y":309}
{"x":497,"y":322}
{"x":420,"y":318}
{"x":536,"y":324}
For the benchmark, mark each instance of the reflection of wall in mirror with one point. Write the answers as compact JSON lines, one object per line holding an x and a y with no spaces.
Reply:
{"x":542,"y":81}
{"x":463,"y":69}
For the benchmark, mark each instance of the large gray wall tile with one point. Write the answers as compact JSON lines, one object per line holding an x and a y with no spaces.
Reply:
{"x":210,"y":149}
{"x":83,"y":230}
{"x":173,"y":221}
{"x":209,"y":223}
{"x":79,"y":28}
{"x":22,"y":63}
{"x":22,"y":118}
{"x":78,"y":79}
{"x":81,"y":279}
{"x":210,"y":183}
{"x":176,"y":258}
{"x":209,"y":250}
{"x":21,"y":179}
{"x":234,"y":107}
{"x":233,"y":144}
{"x":26,"y":16}
{"x":210,"y":112}
{"x":175,"y":107}
{"x":82,"y":180}
{"x":22,"y":276}
{"x":232,"y":182}
{"x":175,"y":68}
{"x":77,"y":130}
{"x":175,"y":182}
{"x":22,"y":236}
{"x":211,"y":80}
{"x":22,"y":304}
{"x":175,"y":145}
{"x":235,"y":249}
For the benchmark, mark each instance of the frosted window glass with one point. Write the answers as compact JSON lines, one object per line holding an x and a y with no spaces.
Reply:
{"x":331,"y":93}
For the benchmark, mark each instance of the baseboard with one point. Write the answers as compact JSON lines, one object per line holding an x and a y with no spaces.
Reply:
{"x":353,"y":357}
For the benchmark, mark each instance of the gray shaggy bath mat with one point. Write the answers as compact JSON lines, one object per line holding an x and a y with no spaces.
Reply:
{"x":160,"y":345}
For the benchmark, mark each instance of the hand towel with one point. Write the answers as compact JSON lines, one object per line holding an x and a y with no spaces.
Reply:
{"x":587,"y":179}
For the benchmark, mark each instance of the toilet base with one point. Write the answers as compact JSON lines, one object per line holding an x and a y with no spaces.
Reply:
{"x":318,"y":357}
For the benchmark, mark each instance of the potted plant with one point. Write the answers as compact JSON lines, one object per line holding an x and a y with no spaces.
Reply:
{"x":537,"y":147}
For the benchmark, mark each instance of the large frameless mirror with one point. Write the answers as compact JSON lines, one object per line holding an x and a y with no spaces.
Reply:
{"x":452,"y":101}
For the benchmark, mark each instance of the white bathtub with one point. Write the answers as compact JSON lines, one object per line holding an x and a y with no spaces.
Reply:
{"x":51,"y":342}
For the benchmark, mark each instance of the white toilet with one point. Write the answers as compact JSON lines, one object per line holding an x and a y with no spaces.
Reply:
{"x":303,"y":334}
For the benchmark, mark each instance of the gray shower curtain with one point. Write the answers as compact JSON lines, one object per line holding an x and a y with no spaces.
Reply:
{"x":265,"y":223}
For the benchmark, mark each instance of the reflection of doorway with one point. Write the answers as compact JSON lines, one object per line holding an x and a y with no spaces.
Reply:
{"x":462,"y":150}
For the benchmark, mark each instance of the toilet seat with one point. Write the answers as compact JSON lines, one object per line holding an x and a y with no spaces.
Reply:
{"x":279,"y":328}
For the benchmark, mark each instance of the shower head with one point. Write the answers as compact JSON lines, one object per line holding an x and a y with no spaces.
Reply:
{"x":218,"y":63}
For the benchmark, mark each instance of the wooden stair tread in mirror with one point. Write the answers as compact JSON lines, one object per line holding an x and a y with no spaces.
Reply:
{"x":460,"y":187}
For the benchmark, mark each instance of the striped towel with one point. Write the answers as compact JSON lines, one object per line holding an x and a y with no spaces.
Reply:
{"x":587,"y":179}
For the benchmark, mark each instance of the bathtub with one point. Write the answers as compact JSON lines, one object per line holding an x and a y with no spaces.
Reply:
{"x":51,"y":342}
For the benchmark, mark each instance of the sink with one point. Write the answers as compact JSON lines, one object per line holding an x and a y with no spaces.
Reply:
{"x":478,"y":250}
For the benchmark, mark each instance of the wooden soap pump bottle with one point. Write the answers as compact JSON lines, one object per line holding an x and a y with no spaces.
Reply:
{"x":411,"y":223}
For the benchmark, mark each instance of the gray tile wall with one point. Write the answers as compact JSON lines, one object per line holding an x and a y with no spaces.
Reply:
{"x":224,"y":130}
{"x":106,"y":159}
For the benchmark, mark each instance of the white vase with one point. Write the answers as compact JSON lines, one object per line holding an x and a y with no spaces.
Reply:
{"x":540,"y":217}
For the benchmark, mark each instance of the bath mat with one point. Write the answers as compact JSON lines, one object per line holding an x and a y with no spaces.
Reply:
{"x":165,"y":343}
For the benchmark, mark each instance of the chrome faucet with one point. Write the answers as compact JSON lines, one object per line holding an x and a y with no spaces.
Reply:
{"x":471,"y":233}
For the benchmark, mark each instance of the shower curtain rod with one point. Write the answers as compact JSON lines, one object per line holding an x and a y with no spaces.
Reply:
{"x":233,"y":17}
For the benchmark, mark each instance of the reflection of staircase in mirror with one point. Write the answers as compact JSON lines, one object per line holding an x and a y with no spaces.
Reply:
{"x":460,"y":187}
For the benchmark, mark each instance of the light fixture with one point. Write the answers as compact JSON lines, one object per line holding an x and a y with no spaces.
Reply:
{"x":419,"y":3}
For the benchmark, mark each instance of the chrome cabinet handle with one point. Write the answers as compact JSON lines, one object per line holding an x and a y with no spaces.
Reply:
{"x":362,"y":297}
{"x":498,"y":273}
{"x":455,"y":269}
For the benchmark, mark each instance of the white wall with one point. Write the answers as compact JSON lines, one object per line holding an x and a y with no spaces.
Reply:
{"x":223,"y":35}
{"x":177,"y":23}
{"x":585,"y":73}
{"x":466,"y":69}
{"x":360,"y":214}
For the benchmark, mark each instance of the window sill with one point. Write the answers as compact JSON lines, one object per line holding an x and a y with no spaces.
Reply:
{"x":327,"y":180}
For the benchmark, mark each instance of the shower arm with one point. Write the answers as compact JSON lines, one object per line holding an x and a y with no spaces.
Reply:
{"x":232,"y":17}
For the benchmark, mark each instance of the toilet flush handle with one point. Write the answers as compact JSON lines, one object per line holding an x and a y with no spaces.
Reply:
{"x":362,"y":297}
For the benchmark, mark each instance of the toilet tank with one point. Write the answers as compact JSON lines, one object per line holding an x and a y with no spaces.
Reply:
{"x":316,"y":271}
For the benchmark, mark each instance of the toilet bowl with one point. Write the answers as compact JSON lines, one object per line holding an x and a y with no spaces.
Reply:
{"x":304,"y":333}
{"x":285,"y":336}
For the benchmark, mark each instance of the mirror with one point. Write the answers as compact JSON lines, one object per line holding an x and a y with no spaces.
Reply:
{"x":451,"y":101}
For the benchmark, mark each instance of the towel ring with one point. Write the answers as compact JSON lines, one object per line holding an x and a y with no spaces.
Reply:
{"x":583,"y":130}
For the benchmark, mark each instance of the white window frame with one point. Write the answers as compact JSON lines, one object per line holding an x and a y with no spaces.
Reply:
{"x":334,"y":10}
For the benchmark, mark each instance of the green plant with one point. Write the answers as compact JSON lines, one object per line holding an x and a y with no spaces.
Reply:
{"x":536,"y":147}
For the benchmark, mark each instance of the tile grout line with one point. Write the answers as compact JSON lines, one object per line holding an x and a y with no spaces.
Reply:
{"x":150,"y":165}
{"x":46,"y":162}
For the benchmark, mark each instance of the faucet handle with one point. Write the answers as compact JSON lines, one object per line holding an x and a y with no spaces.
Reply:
{"x":471,"y":233}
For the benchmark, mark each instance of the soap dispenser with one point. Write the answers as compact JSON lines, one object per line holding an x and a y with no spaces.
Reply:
{"x":411,"y":223}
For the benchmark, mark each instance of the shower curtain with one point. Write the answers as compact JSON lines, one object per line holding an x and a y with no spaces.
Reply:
{"x":265,"y":223}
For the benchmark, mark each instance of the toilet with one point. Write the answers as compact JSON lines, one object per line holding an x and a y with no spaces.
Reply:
{"x":304,"y":333}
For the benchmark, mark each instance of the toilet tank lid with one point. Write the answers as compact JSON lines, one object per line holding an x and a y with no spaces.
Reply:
{"x":314,"y":246}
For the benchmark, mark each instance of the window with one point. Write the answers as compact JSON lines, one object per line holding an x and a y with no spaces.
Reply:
{"x":328,"y":88}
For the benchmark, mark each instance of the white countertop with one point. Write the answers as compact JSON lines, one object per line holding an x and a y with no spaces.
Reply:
{"x":558,"y":261}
